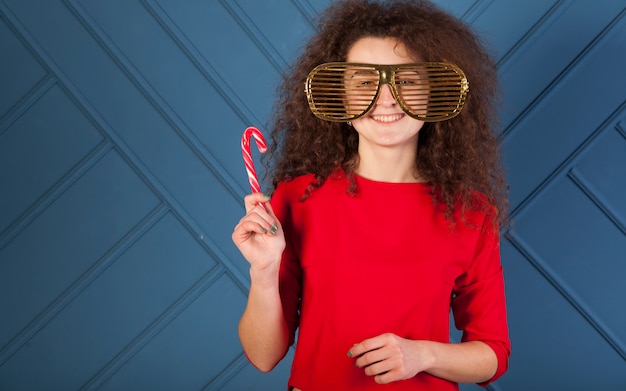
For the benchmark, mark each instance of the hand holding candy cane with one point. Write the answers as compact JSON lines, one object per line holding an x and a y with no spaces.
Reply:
{"x":247,"y":155}
{"x":259,"y":252}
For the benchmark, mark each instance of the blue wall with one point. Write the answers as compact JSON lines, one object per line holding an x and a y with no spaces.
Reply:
{"x":121,"y":179}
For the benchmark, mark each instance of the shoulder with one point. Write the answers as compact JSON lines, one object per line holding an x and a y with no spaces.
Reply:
{"x":310,"y":184}
{"x":291,"y":190}
{"x":473,"y":210}
{"x":481,"y":212}
{"x":296,"y":185}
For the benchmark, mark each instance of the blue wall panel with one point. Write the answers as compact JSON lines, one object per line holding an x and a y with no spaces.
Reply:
{"x":121,"y":179}
{"x":606,"y":154}
{"x":19,"y":70}
{"x":68,"y":238}
{"x":128,"y":296}
{"x":178,"y":84}
{"x":568,"y":113}
{"x":551,"y":49}
{"x":554,"y":346}
{"x":46,"y":143}
{"x":198,"y":360}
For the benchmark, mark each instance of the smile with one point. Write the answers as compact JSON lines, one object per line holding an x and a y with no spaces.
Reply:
{"x":386,"y":117}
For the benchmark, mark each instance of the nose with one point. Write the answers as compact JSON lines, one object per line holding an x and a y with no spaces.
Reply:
{"x":385,"y":97}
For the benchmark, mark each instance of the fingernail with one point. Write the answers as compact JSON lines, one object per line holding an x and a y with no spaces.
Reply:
{"x":267,"y":197}
{"x":350,"y":353}
{"x":273,"y":229}
{"x":263,"y":230}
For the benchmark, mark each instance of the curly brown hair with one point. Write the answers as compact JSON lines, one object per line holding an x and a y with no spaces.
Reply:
{"x":458,"y":157}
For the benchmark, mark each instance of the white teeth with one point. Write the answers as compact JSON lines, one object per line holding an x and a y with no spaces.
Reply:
{"x":387,"y":118}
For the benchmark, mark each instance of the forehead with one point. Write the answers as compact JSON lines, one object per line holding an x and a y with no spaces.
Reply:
{"x":376,"y":50}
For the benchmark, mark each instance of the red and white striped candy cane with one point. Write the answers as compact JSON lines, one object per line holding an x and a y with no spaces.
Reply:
{"x":247,"y":155}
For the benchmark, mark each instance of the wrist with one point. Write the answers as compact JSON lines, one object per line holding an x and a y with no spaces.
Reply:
{"x":465,"y":362}
{"x":264,"y":277}
{"x":431,"y":354}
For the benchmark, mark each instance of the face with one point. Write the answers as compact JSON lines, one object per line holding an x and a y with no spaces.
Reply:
{"x":386,"y":124}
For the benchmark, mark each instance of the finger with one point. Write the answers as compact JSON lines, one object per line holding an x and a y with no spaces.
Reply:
{"x":385,"y":371}
{"x":366,"y":346}
{"x":372,"y":358}
{"x":387,"y":377}
{"x":259,"y":203}
{"x":275,"y":222}
{"x":391,"y":370}
{"x":250,"y":225}
{"x":262,"y":216}
{"x":252,"y":200}
{"x":378,"y":368}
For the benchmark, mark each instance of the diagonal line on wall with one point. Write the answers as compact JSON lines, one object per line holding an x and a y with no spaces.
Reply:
{"x":594,"y":195}
{"x":568,"y":293}
{"x":190,"y":139}
{"x":256,"y":35}
{"x":475,"y":10}
{"x":129,"y":156}
{"x":214,"y":250}
{"x":152,"y":330}
{"x":202,"y":64}
{"x":170,"y":116}
{"x":567,"y":162}
{"x":26,"y":102}
{"x":228,"y":373}
{"x":71,"y":292}
{"x":558,"y":7}
{"x":307,"y":10}
{"x":562,"y":75}
{"x":54,"y":192}
{"x":620,"y":129}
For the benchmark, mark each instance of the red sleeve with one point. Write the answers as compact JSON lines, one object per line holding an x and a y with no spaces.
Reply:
{"x":290,"y":272}
{"x":479,"y":304}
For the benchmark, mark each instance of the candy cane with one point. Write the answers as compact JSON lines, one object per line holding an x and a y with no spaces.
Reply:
{"x":247,"y":156}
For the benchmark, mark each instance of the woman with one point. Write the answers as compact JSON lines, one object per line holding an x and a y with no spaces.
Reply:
{"x":386,"y":211}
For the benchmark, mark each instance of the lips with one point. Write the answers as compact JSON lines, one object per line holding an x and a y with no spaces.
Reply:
{"x":386,"y":117}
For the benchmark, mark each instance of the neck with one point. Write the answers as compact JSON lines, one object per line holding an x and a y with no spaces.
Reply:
{"x":388,"y":165}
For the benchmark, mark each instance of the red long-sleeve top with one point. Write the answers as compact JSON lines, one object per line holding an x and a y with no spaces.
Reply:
{"x":384,"y":260}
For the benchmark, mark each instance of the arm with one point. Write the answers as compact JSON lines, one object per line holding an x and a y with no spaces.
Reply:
{"x":390,"y":358}
{"x":466,"y":362}
{"x":262,"y":328}
{"x":479,"y":310}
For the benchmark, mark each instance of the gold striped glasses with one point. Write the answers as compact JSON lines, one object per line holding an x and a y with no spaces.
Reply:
{"x":427,"y":91}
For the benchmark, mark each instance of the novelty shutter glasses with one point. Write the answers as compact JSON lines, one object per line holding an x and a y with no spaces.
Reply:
{"x":428,"y":91}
